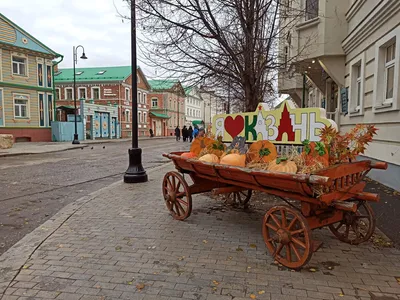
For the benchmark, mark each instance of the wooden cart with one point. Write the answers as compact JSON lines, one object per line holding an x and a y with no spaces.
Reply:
{"x":286,"y":229}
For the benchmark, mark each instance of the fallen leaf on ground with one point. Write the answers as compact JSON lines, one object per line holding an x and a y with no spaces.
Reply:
{"x":181,"y":258}
{"x":312,"y":270}
{"x":253,"y":246}
{"x":252,"y":296}
{"x":140,"y":286}
{"x":261,"y":292}
{"x":130,"y":282}
{"x":230,"y":257}
{"x":214,"y":288}
{"x":341,"y":295}
{"x":239,"y":249}
{"x":118,"y":248}
{"x":398,"y":280}
{"x":205,"y":241}
{"x":25,"y":267}
{"x":215,"y":282}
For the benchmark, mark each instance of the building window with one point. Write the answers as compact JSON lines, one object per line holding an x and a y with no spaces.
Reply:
{"x":154,"y":102}
{"x":82,"y":93}
{"x":127,"y":116}
{"x":356,"y":89}
{"x":312,"y":7}
{"x":386,"y":74}
{"x":127,"y":94}
{"x":140,"y":117}
{"x":390,"y":55}
{"x":144,"y":98}
{"x":144,"y":117}
{"x":40,"y":74}
{"x":19,"y":66}
{"x":95,"y":93}
{"x":68,"y":93}
{"x":58,"y":94}
{"x":139,"y":97}
{"x":21,"y":106}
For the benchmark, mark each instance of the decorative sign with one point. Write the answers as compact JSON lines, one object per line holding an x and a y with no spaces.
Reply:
{"x":285,"y":125}
{"x":344,"y":98}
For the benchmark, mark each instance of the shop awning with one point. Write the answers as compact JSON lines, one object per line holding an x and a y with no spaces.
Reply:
{"x":157,"y":115}
{"x":198,"y":122}
{"x":66,"y":107}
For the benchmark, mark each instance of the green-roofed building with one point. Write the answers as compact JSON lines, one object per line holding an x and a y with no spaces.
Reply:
{"x":194,"y":104}
{"x":26,"y":84}
{"x":107,"y":86}
{"x":167,"y":106}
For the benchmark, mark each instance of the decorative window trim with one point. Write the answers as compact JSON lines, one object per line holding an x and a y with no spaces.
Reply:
{"x":65,"y":93}
{"x":2,"y":110}
{"x":353,"y":108}
{"x":380,"y":104}
{"x":144,"y":98}
{"x":59,"y":92}
{"x":92,"y":92}
{"x":156,"y":99}
{"x":44,"y":108}
{"x":79,"y":93}
{"x":50,"y":112}
{"x":28,"y":111}
{"x":20,"y":55}
{"x":47,"y":76}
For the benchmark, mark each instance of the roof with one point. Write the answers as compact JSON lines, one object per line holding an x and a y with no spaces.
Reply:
{"x":163,"y":116}
{"x":162,"y":84}
{"x":93,"y":74}
{"x":12,"y":34}
{"x":197,"y":122}
{"x":66,"y":107}
{"x":188,"y":90}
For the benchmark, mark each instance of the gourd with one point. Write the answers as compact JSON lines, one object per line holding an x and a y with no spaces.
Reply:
{"x":262,"y":151}
{"x":211,"y":158}
{"x":188,"y":155}
{"x":199,"y":144}
{"x":315,"y":152}
{"x":282,"y":164}
{"x":234,"y":158}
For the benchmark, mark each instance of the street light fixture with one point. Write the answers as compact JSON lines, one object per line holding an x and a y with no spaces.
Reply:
{"x":76,"y":139}
{"x":135,"y":172}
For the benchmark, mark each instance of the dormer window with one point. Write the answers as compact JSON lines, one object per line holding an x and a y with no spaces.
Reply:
{"x":101,"y":72}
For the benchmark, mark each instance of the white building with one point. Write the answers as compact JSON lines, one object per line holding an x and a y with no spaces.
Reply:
{"x":194,"y":106}
{"x":213,"y":105}
{"x":345,"y":56}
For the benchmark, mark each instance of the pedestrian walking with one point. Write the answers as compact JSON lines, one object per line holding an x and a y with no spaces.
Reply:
{"x":195,"y":131}
{"x":184,"y":133}
{"x":190,"y":133}
{"x":177,"y":133}
{"x":151,"y":132}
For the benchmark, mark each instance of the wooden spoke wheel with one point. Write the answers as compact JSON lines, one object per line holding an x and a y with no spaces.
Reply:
{"x":355,"y":228}
{"x":287,"y":236}
{"x":177,"y":196}
{"x":239,"y":198}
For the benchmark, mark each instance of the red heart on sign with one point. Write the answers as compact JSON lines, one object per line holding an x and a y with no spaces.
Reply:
{"x":234,"y":126}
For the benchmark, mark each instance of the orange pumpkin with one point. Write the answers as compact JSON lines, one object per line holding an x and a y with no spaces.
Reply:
{"x":199,"y":144}
{"x":234,"y":159}
{"x":188,"y":155}
{"x":211,"y":158}
{"x":282,"y":165}
{"x":262,"y":151}
{"x":315,"y":151}
{"x":217,"y":147}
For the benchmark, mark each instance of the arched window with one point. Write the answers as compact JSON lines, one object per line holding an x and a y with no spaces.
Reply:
{"x":140,"y":117}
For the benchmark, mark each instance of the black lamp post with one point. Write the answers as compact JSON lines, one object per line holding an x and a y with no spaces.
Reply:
{"x":135,"y":172}
{"x":76,"y":139}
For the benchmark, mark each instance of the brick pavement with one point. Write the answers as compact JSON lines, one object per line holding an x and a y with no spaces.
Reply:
{"x":126,"y":246}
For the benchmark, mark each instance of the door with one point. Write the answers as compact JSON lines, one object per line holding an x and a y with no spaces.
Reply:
{"x":159,"y":129}
{"x":113,"y":131}
{"x":96,"y":124}
{"x":154,"y":128}
{"x":104,"y":125}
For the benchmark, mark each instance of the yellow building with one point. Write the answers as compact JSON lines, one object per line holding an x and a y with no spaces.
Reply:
{"x":26,"y":84}
{"x":343,"y":55}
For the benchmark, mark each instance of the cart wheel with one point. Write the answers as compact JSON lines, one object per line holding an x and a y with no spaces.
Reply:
{"x":240,"y":198}
{"x":287,"y":236}
{"x":177,"y":196}
{"x":355,"y":228}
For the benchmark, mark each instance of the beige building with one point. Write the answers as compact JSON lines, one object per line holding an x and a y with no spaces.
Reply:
{"x":343,"y":55}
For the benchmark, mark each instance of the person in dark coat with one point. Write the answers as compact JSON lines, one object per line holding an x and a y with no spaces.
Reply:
{"x":184,"y":133}
{"x":177,"y":133}
{"x":190,"y":133}
{"x":151,"y":132}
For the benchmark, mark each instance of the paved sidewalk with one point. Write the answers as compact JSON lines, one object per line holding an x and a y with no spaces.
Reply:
{"x":49,"y":147}
{"x":121,"y":243}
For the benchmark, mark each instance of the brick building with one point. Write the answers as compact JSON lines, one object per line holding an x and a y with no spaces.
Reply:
{"x":106,"y":86}
{"x":167,"y":106}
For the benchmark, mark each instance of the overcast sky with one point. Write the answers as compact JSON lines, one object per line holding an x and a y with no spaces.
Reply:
{"x":61,"y":24}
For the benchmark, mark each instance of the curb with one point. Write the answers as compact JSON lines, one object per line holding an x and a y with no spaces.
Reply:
{"x":51,"y":151}
{"x":90,"y":142}
{"x":13,"y":260}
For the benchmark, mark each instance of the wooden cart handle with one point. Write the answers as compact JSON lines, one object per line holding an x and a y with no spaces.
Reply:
{"x":379,"y":165}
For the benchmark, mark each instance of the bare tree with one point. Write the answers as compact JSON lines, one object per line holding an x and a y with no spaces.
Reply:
{"x":217,"y":43}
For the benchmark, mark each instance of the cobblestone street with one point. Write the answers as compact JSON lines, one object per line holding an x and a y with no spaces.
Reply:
{"x":125,"y":245}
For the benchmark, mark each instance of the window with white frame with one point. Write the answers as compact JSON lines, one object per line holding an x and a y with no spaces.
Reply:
{"x":95,"y":93}
{"x":139,"y":99}
{"x":356,"y":88}
{"x":144,"y":98}
{"x":58,"y":94}
{"x":127,"y":115}
{"x":390,"y":56}
{"x":21,"y":104}
{"x":386,"y":76}
{"x":144,"y":117}
{"x":154,"y":102}
{"x":19,"y":65}
{"x":311,"y":11}
{"x":140,"y":117}
{"x":69,"y":94}
{"x":82,"y":93}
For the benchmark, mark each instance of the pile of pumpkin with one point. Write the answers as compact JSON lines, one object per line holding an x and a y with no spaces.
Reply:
{"x":260,"y":155}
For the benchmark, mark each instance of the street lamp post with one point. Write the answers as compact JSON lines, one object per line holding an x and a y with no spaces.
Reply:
{"x":75,"y":56}
{"x":135,"y":172}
